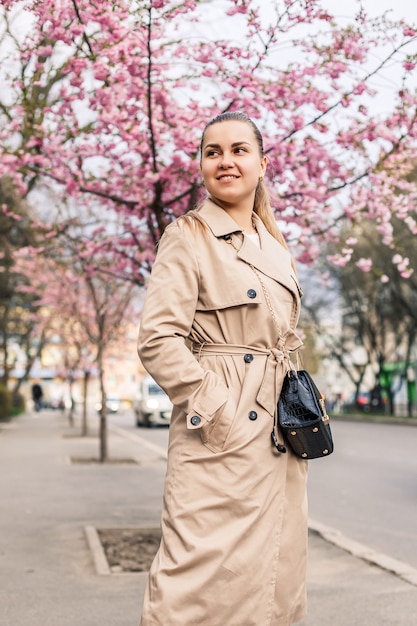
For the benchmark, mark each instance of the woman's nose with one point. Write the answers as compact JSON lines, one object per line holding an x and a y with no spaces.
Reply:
{"x":226,"y":160}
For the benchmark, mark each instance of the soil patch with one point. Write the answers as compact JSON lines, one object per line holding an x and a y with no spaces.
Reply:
{"x":129,"y":549}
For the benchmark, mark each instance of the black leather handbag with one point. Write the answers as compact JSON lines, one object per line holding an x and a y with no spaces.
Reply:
{"x":303,"y":418}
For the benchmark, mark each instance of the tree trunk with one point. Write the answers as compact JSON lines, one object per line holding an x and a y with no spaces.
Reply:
{"x":410,"y":374}
{"x":391,"y":402}
{"x":103,"y":436}
{"x":84,"y":425}
{"x":72,"y":403}
{"x":103,"y":410}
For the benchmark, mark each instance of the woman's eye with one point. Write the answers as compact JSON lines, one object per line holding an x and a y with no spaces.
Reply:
{"x":239,"y":150}
{"x":211,"y":153}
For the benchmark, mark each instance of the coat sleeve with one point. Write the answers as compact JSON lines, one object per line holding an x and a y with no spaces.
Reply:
{"x":166,"y":320}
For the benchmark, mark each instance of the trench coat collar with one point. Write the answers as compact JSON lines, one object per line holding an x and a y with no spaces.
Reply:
{"x":272,"y":259}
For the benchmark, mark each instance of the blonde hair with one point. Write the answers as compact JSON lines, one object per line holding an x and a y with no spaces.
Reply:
{"x":262,"y":208}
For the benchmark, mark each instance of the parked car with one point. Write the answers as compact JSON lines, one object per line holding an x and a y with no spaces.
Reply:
{"x":112,"y":404}
{"x":361,"y":404}
{"x":152,"y":407}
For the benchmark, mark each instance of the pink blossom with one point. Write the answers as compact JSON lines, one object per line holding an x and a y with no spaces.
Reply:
{"x":338,"y":260}
{"x":364,"y":264}
{"x":403,"y":265}
{"x":117,"y":133}
{"x":45,"y":51}
{"x":359,"y":89}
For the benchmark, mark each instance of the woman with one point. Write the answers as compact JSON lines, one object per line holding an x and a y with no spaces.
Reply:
{"x":217,"y":327}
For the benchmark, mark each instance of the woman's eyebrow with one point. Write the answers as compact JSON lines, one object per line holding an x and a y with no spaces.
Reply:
{"x":234,"y":144}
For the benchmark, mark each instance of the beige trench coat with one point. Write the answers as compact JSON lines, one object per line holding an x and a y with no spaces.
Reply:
{"x":234,"y":519}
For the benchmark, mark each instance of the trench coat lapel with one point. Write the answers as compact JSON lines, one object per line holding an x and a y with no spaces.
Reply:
{"x":272,"y":259}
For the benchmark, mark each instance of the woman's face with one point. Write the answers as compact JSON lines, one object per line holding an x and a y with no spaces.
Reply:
{"x":231,"y":163}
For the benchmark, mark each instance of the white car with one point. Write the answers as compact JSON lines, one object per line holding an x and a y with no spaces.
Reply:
{"x":112,"y":404}
{"x":152,"y":407}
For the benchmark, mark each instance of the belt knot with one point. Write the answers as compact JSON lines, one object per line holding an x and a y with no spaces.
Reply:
{"x":280,"y":355}
{"x":268,"y":391}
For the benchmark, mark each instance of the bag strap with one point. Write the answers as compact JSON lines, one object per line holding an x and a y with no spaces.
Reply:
{"x":228,"y":238}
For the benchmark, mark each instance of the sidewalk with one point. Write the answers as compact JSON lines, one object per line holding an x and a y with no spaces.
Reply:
{"x":47,"y":573}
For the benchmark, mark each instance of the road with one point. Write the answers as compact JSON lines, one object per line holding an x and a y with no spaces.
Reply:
{"x":367,"y":489}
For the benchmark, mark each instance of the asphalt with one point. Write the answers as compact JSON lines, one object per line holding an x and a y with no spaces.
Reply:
{"x":54,"y":573}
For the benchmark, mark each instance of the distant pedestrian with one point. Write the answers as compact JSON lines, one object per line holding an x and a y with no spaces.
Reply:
{"x":217,"y":329}
{"x":37,"y":395}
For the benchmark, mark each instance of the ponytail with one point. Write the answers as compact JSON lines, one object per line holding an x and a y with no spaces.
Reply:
{"x":262,"y":208}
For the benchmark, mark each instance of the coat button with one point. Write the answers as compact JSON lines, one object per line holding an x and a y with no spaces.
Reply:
{"x":253,"y":415}
{"x":248,"y":358}
{"x":251,"y":293}
{"x":195,"y":420}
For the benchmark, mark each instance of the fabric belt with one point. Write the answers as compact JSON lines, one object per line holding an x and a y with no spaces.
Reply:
{"x":277,"y":363}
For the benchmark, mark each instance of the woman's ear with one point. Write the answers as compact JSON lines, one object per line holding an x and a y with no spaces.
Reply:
{"x":201,"y":174}
{"x":264,"y":164}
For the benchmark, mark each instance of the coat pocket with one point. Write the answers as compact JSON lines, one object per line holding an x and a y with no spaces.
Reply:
{"x":214,"y":434}
{"x":230,"y":291}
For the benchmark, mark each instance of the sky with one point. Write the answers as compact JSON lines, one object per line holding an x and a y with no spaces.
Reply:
{"x":398,"y":8}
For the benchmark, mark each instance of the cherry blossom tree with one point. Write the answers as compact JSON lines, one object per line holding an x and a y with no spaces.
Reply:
{"x":367,"y":321}
{"x":102,"y":106}
{"x":384,"y":313}
{"x":18,"y":320}
{"x":105,"y":102}
{"x":87,"y":310}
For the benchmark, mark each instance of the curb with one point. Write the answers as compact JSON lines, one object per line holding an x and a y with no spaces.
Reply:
{"x":367,"y":418}
{"x":398,"y":568}
{"x":100,"y":562}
